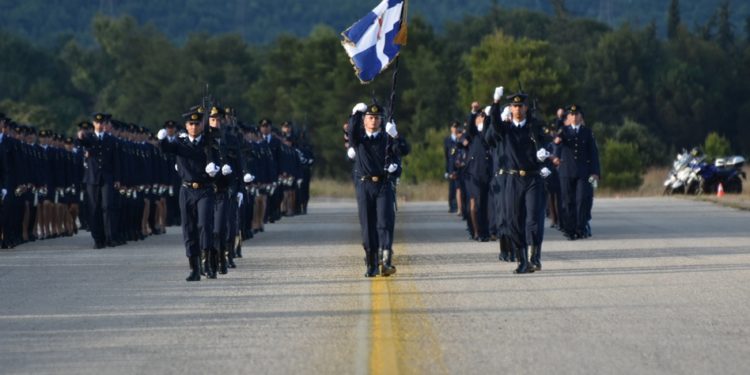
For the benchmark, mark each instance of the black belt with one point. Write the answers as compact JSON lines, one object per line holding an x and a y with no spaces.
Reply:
{"x":195,"y":185}
{"x":519,"y":172}
{"x":375,"y":179}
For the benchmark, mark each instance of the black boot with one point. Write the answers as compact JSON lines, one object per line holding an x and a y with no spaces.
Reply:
{"x":372,"y":264}
{"x":223,"y":262}
{"x":213,"y":263}
{"x":380,"y":257}
{"x":204,"y":263}
{"x":238,"y":250}
{"x":195,"y":274}
{"x":231,"y":254}
{"x":505,"y":250}
{"x":535,"y":260}
{"x":388,"y":268}
{"x":523,"y":261}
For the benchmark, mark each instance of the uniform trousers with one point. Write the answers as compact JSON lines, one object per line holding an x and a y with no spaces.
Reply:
{"x":197,"y":215}
{"x":577,"y":200}
{"x":524,"y":205}
{"x":101,"y":211}
{"x":375,"y":202}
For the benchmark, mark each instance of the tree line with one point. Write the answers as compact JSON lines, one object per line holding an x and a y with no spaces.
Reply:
{"x":646,"y":96}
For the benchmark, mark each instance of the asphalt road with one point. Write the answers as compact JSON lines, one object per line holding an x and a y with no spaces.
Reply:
{"x":661,"y":288}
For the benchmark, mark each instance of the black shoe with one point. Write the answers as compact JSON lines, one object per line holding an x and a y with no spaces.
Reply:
{"x":372,"y":264}
{"x":230,"y":263}
{"x":523,"y":262}
{"x":98,"y":246}
{"x":484,"y":239}
{"x":388,"y":268}
{"x":195,"y":274}
{"x":213,"y":264}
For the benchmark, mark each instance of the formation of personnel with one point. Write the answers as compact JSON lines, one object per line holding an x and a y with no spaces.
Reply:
{"x":123,"y":183}
{"x":507,"y":171}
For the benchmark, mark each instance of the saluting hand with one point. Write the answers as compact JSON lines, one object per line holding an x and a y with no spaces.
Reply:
{"x":361,"y":107}
{"x":498,"y":94}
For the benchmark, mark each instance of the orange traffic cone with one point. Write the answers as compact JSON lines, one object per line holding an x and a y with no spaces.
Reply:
{"x":720,"y":191}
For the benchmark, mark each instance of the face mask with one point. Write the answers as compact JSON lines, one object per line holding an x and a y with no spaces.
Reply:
{"x":480,"y":127}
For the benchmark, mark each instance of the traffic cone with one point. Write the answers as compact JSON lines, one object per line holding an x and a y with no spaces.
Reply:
{"x":720,"y":191}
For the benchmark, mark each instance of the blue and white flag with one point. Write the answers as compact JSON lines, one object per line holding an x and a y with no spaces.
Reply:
{"x":374,"y":41}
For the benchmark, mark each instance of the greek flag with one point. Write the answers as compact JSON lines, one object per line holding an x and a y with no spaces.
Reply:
{"x":374,"y":41}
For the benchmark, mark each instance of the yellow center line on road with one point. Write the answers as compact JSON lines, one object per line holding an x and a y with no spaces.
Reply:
{"x":403,"y":338}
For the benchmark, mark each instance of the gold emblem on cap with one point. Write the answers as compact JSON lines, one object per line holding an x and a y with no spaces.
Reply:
{"x":99,"y":117}
{"x":573,"y":108}
{"x":517,"y":99}
{"x":194,"y":116}
{"x":374,"y":109}
{"x":214,"y":111}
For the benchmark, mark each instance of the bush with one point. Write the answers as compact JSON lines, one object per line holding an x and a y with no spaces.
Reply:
{"x":426,"y":161}
{"x":622,"y":167}
{"x":716,"y":146}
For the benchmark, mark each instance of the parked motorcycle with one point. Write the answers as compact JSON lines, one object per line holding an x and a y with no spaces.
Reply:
{"x":682,"y":178}
{"x":725,"y":171}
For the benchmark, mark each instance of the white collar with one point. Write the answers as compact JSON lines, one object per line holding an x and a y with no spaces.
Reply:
{"x":519,"y":124}
{"x":198,"y":138}
{"x":453,"y":137}
{"x":370,"y":135}
{"x":100,"y":135}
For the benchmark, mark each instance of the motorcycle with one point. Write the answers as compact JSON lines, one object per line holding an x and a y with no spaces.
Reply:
{"x":725,"y":171}
{"x":682,"y":176}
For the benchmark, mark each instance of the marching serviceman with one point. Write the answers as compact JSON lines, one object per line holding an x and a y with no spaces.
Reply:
{"x":579,"y":171}
{"x":102,"y":177}
{"x":520,"y":174}
{"x":196,"y":167}
{"x":373,"y":158}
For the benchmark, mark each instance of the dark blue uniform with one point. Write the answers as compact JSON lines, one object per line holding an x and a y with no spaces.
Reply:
{"x":579,"y":160}
{"x":449,"y":151}
{"x":374,"y":191}
{"x":519,"y":179}
{"x":196,"y":193}
{"x":478,"y":173}
{"x":102,"y":172}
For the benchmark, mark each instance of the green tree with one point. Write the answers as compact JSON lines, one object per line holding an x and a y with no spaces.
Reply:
{"x":426,"y":162}
{"x":619,"y":76}
{"x":673,"y":18}
{"x":621,"y":166}
{"x":651,"y":151}
{"x":716,"y":146}
{"x":504,"y":61}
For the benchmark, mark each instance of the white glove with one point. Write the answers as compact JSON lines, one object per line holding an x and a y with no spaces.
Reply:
{"x":545,"y":172}
{"x":240,"y":198}
{"x":161,"y":134}
{"x":212,"y":169}
{"x":183,"y":135}
{"x":390,"y":128}
{"x":392,"y":168}
{"x":446,"y":175}
{"x":498,"y":93}
{"x":248,"y":178}
{"x":226,"y":170}
{"x":351,"y":153}
{"x":487,"y":110}
{"x":176,"y":168}
{"x":3,"y":193}
{"x":542,"y":154}
{"x":361,"y":107}
{"x":505,"y":116}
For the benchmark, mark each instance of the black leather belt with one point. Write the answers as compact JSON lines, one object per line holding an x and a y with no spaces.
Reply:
{"x":195,"y":185}
{"x":520,"y":172}
{"x":375,"y":179}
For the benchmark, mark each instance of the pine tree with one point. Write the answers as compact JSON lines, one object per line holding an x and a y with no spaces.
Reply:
{"x":725,"y":37}
{"x":673,"y":19}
